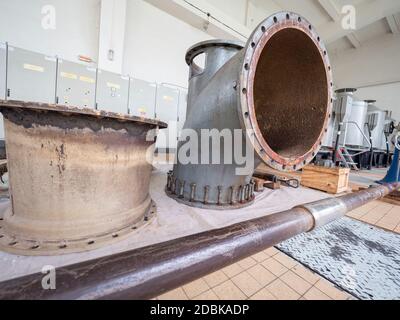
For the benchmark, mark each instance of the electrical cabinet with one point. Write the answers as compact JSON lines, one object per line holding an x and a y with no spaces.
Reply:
{"x":112,"y":92}
{"x":76,"y":84}
{"x":3,"y":73}
{"x":167,"y":111}
{"x":31,"y":76}
{"x":142,"y":98}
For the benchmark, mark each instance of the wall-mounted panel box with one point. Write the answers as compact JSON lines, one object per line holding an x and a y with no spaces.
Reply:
{"x":76,"y":84}
{"x":167,"y":111}
{"x":112,"y":92}
{"x":3,"y":74}
{"x":142,"y":98}
{"x":31,"y":76}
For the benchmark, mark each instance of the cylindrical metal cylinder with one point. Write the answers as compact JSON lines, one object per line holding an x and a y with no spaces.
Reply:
{"x":78,"y":178}
{"x":267,"y":101}
{"x":376,"y":119}
{"x":355,"y":126}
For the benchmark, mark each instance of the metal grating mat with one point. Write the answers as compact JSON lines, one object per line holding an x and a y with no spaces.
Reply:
{"x":361,"y":259}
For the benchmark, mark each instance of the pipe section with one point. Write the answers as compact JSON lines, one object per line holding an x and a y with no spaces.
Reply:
{"x":276,"y":90}
{"x":148,"y":272}
{"x":79,"y":178}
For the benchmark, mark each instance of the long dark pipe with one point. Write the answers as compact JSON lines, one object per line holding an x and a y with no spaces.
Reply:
{"x":147,"y":272}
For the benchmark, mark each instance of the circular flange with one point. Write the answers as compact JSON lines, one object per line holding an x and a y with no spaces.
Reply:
{"x":200,"y":47}
{"x":16,"y":245}
{"x":199,"y":204}
{"x":44,"y":107}
{"x":257,"y":41}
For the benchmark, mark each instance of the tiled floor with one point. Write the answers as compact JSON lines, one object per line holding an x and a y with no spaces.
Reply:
{"x":380,"y":214}
{"x":272,"y":275}
{"x":269,"y":275}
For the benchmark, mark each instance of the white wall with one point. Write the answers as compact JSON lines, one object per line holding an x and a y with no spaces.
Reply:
{"x":375,"y":69}
{"x":77,"y":27}
{"x":156,"y":43}
{"x":112,"y":35}
{"x":236,"y":9}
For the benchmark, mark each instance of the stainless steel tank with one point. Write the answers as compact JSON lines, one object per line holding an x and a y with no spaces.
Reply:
{"x":355,"y":125}
{"x":377,"y":121}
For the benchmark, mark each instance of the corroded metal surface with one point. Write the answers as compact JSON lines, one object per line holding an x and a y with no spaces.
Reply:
{"x":78,"y":178}
{"x":277,"y":89}
{"x":147,"y":272}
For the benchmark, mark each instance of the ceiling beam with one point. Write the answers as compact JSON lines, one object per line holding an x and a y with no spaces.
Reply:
{"x":394,"y":23}
{"x":354,"y":40}
{"x":331,"y":9}
{"x":367,"y":13}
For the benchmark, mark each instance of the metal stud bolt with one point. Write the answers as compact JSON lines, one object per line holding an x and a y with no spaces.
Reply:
{"x":192,"y":191}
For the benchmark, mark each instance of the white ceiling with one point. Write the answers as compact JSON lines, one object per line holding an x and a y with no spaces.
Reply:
{"x":375,"y":18}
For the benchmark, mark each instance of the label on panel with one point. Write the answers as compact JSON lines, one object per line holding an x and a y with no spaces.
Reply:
{"x":167,"y":111}
{"x":31,"y":76}
{"x":112,"y":92}
{"x":76,"y":84}
{"x":142,"y":98}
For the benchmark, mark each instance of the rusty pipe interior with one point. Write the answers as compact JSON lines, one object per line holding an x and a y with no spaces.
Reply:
{"x":290,"y":93}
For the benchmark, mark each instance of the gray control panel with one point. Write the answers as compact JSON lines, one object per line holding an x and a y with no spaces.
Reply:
{"x":142,"y":98}
{"x":31,"y":76}
{"x":76,"y":84}
{"x":112,"y":92}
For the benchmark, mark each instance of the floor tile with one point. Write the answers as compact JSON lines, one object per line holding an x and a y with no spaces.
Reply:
{"x":247,"y":263}
{"x":282,"y":291}
{"x":263,"y":294}
{"x":271,"y":251}
{"x":246,"y":283}
{"x":315,"y":294}
{"x":208,"y":295}
{"x":232,"y":270}
{"x":330,"y":290}
{"x":306,"y":274}
{"x":275,"y":267}
{"x":262,"y":275}
{"x":285,"y":260}
{"x":195,"y":288}
{"x":297,"y":283}
{"x":177,"y":294}
{"x":260,"y":257}
{"x":215,"y":278}
{"x":228,"y":291}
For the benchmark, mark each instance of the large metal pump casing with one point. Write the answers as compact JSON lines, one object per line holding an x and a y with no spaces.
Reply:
{"x":277,"y":89}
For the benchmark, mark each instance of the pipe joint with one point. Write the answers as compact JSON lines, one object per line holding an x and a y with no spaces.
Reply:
{"x":325,"y":211}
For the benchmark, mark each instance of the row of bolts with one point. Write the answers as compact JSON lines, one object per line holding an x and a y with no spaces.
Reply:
{"x":246,"y":193}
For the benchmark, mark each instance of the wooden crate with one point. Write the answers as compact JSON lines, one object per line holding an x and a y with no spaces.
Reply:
{"x":330,"y":180}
